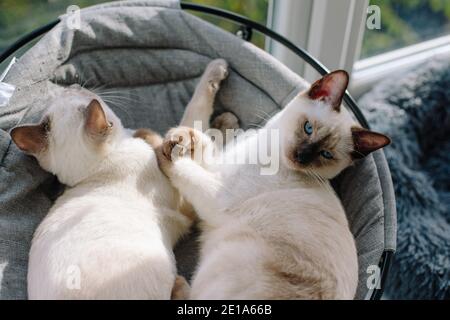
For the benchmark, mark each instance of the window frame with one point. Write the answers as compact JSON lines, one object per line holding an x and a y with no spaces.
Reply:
{"x":333,"y":31}
{"x":367,"y":72}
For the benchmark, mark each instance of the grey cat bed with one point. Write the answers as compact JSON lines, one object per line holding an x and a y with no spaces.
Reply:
{"x":151,"y":54}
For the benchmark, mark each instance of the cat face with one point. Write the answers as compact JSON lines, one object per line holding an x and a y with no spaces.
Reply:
{"x":74,"y":135}
{"x":318,"y":136}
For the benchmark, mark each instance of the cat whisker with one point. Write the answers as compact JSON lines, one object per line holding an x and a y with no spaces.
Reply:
{"x":83,"y":84}
{"x":263,"y":120}
{"x":265,"y":113}
{"x":119,"y":92}
{"x":121,"y":107}
{"x":321,"y":181}
{"x":98,"y":88}
{"x":264,"y":116}
{"x":122,"y":99}
{"x":255,"y":125}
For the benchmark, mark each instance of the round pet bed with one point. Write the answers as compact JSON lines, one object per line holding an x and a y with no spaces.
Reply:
{"x":148,"y":56}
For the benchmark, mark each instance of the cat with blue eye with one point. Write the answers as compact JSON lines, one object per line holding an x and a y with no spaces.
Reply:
{"x":309,"y":130}
{"x":278,"y":236}
{"x":314,"y":145}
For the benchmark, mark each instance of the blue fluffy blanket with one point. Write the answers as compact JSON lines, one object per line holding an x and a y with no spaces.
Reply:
{"x":414,"y":110}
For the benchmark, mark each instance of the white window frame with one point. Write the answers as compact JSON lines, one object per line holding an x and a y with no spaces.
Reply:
{"x":367,"y":72}
{"x":332,"y":31}
{"x":329,"y":30}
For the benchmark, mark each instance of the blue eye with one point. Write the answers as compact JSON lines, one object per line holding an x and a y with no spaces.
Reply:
{"x":308,"y":128}
{"x":326,"y":154}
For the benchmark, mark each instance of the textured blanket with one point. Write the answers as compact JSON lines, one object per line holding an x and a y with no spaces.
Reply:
{"x":414,"y":109}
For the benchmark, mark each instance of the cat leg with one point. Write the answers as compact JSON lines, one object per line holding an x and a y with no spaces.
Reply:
{"x":181,"y":289}
{"x":197,"y":185}
{"x":176,"y":224}
{"x":200,"y":108}
{"x":182,"y":158}
{"x":226,"y":120}
{"x":149,"y":136}
{"x":187,"y":142}
{"x":228,"y":124}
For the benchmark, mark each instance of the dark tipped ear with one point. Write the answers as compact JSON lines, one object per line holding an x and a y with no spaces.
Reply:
{"x":366,"y":141}
{"x":31,"y":139}
{"x":330,"y":89}
{"x":96,"y":123}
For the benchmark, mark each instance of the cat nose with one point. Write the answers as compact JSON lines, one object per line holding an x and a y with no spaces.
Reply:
{"x":305,"y":155}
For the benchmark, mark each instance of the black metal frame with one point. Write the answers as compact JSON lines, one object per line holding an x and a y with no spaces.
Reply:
{"x":247,"y":26}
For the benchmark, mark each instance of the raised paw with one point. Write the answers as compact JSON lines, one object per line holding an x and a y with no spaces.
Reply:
{"x":226,"y":120}
{"x":149,"y":136}
{"x":228,"y":124}
{"x":216,"y":71}
{"x":181,"y":289}
{"x":183,"y":141}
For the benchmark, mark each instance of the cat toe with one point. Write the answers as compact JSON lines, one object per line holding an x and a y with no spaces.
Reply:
{"x":179,"y":142}
{"x":217,"y":71}
{"x":226,"y":120}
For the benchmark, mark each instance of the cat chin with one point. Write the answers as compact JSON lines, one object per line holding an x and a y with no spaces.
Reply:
{"x":292,"y":165}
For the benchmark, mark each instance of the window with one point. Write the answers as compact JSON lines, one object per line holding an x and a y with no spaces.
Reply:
{"x":20,"y":17}
{"x":411,"y":32}
{"x":17,"y":18}
{"x":254,"y":9}
{"x":405,"y":23}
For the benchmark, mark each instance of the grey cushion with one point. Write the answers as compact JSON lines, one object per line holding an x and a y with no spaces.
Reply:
{"x":146,"y":57}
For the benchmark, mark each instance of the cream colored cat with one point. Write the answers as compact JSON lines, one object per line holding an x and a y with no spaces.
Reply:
{"x":111,"y":234}
{"x":280,"y":236}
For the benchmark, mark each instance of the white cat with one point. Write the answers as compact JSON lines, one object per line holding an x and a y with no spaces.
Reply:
{"x":281,"y":236}
{"x":111,"y":234}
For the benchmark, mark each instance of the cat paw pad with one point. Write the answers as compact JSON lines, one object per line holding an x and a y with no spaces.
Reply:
{"x":180,"y":142}
{"x":225,"y":121}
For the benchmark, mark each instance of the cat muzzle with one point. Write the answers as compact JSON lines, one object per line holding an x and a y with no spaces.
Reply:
{"x":305,"y":155}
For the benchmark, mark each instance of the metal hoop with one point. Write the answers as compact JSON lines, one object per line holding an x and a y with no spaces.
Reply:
{"x":248,"y":25}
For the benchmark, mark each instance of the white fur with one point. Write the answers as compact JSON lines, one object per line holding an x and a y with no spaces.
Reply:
{"x":263,"y":234}
{"x":110,"y":235}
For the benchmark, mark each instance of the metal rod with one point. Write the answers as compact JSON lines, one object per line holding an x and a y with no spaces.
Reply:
{"x":386,"y":258}
{"x":318,"y":66}
{"x":26,"y":39}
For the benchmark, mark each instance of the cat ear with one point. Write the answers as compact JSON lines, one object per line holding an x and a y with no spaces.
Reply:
{"x":366,"y":141}
{"x":31,"y":139}
{"x":330,"y":89}
{"x":96,"y":123}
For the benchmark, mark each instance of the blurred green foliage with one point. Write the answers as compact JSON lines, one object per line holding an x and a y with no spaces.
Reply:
{"x":403,"y":22}
{"x":406,"y":22}
{"x":18,"y":17}
{"x":253,"y":9}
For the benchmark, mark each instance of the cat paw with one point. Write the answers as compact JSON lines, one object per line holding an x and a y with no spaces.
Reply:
{"x":183,"y":141}
{"x":149,"y":136}
{"x":216,"y":71}
{"x":181,"y":289}
{"x":226,"y":120}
